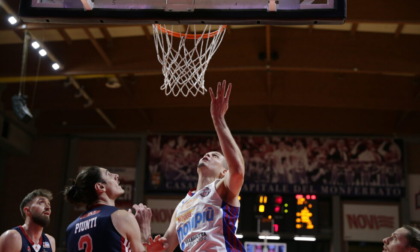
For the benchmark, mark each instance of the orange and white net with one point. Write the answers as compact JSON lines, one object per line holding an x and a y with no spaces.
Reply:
{"x":185,"y":56}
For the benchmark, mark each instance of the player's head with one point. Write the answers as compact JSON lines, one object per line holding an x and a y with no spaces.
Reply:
{"x":37,"y":206}
{"x":90,"y":183}
{"x":213,"y":164}
{"x":404,"y":239}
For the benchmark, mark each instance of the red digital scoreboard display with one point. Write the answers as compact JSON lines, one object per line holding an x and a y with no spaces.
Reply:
{"x":286,"y":213}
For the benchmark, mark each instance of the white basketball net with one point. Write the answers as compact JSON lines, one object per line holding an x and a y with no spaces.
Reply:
{"x":185,"y":57}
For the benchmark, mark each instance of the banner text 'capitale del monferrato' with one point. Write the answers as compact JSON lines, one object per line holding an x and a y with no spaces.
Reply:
{"x":369,"y":167}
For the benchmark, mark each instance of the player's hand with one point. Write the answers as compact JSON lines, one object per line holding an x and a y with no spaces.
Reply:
{"x":220,"y":102}
{"x":143,"y":216}
{"x":157,"y":244}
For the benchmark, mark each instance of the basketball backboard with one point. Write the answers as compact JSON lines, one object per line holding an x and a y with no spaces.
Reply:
{"x":184,"y":11}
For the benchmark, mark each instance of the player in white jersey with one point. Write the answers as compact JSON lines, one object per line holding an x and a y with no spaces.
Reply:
{"x":206,"y":219}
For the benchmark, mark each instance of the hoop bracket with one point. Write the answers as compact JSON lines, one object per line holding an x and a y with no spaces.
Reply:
{"x":180,"y":5}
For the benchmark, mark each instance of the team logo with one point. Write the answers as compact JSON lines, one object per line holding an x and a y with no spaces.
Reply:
{"x":90,"y":214}
{"x":46,"y":245}
{"x":28,"y":249}
{"x":205,"y":192}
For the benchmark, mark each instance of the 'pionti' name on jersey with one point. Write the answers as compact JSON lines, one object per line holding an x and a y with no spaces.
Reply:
{"x":85,"y":225}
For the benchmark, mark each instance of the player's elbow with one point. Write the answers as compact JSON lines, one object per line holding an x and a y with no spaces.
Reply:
{"x":238,"y":176}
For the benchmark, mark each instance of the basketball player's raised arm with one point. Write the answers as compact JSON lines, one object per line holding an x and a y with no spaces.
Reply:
{"x":170,"y":238}
{"x":218,"y":108}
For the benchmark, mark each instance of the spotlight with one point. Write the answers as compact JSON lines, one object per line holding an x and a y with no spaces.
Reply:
{"x":55,"y":66}
{"x":42,"y":52}
{"x":12,"y":20}
{"x":35,"y":45}
{"x":20,"y":108}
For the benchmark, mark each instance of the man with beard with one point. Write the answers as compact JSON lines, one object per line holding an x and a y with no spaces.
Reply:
{"x":404,"y":239}
{"x":29,"y":237}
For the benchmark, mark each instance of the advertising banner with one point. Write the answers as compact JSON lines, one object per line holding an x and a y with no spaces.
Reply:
{"x":286,"y":164}
{"x":369,"y":222}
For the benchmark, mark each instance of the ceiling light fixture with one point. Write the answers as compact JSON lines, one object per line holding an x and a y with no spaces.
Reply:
{"x":42,"y":52}
{"x":12,"y":20}
{"x":55,"y":66}
{"x":35,"y":45}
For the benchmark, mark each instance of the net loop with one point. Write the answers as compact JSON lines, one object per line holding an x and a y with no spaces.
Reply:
{"x":185,"y":56}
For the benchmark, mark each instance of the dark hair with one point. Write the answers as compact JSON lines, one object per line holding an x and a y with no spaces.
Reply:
{"x":413,"y":236}
{"x":82,"y":191}
{"x":32,"y":195}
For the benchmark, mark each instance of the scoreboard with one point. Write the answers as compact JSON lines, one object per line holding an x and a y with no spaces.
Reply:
{"x":277,"y":214}
{"x":305,"y":205}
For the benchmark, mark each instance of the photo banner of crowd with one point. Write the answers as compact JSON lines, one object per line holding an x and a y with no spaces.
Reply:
{"x":346,"y":166}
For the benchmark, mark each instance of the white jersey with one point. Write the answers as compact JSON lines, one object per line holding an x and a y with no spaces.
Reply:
{"x":204,"y":222}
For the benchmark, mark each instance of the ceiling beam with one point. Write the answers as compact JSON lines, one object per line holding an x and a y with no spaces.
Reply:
{"x":89,"y":100}
{"x":383,"y":11}
{"x":106,"y":35}
{"x":398,"y":30}
{"x":64,"y":35}
{"x":320,"y":90}
{"x":353,"y":30}
{"x":146,"y":32}
{"x":98,"y":47}
{"x":82,"y":74}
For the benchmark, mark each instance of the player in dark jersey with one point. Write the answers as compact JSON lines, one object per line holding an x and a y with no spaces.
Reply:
{"x":103,"y":227}
{"x":29,"y":237}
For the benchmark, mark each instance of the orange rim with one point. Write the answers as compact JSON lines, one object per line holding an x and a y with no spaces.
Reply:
{"x":188,"y":35}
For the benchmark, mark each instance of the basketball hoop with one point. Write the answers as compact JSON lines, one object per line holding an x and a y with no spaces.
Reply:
{"x":185,"y":56}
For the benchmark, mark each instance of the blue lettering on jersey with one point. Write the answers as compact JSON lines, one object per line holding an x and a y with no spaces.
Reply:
{"x":193,"y":222}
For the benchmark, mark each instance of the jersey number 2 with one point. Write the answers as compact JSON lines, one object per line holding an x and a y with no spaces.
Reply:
{"x":85,"y":243}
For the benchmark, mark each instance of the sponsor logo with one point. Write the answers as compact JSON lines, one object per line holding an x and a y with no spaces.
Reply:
{"x":369,"y":221}
{"x":185,"y":216}
{"x":193,"y":240}
{"x":189,"y":203}
{"x":46,"y":245}
{"x":197,"y":219}
{"x":205,"y":192}
{"x":90,"y":214}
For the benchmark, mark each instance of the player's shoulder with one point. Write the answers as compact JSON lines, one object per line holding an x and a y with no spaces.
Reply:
{"x":122,"y":215}
{"x":10,"y":240}
{"x":52,"y":241}
{"x":11,"y":234}
{"x":50,"y":237}
{"x":123,"y":221}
